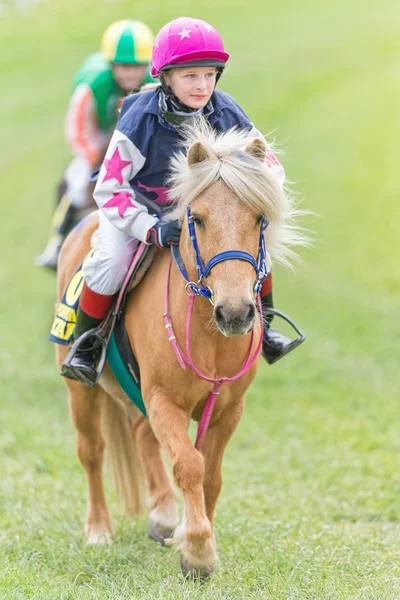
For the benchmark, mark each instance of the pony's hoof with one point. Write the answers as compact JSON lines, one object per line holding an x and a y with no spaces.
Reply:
{"x":193,"y":574}
{"x":98,"y":536}
{"x":159,"y":533}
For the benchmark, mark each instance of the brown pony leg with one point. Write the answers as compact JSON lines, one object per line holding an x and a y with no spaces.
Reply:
{"x":164,"y":516}
{"x":213,"y":450}
{"x":193,"y":538}
{"x":85,"y":407}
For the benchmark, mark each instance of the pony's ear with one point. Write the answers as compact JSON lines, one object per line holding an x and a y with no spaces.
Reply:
{"x":196,"y":154}
{"x":257,"y":148}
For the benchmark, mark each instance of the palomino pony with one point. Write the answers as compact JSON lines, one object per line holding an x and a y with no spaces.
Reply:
{"x":229,"y":190}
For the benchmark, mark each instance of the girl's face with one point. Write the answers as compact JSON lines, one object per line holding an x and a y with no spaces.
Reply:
{"x":193,"y":86}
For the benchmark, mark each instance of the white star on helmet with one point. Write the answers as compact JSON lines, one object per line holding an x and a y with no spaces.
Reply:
{"x":184,"y":33}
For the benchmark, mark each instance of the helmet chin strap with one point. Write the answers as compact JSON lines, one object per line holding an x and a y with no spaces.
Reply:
{"x":172,"y":99}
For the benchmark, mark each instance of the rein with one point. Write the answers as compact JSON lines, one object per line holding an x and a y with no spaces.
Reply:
{"x":199,"y":289}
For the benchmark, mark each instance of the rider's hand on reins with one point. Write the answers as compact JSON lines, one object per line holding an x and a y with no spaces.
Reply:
{"x":164,"y":234}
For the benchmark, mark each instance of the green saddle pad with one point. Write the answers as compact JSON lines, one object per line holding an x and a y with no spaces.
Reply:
{"x":123,"y":376}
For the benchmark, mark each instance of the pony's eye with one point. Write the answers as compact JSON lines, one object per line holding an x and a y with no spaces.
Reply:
{"x":198,"y":221}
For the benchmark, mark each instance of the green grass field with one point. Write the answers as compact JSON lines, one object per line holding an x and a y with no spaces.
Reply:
{"x":310,"y":506}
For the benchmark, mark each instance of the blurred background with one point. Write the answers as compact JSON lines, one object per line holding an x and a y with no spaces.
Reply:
{"x":311,"y":497}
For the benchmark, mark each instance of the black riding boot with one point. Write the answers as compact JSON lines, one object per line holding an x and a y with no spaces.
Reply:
{"x":275,"y":345}
{"x":81,"y":366}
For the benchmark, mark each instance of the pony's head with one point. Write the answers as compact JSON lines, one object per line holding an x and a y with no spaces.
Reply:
{"x":230,"y":188}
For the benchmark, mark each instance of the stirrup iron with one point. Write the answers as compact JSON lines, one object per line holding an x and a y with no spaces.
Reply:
{"x":296,"y":342}
{"x":99,"y":340}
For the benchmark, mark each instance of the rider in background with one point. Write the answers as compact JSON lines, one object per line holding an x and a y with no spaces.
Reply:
{"x":188,"y":58}
{"x":102,"y":81}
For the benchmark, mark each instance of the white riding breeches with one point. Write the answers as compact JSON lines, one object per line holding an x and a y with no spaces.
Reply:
{"x":106,"y":269}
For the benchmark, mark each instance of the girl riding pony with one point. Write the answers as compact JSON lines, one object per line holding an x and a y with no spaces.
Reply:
{"x":188,"y":58}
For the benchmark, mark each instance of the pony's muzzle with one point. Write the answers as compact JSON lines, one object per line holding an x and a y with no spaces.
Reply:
{"x":235,"y":320}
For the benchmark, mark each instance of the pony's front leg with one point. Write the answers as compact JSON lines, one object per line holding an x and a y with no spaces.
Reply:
{"x":213,"y":450}
{"x":85,"y":408}
{"x":193,"y":538}
{"x":164,"y":515}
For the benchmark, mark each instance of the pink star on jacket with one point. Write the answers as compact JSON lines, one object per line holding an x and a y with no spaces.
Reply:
{"x":161,"y":192}
{"x":122,"y":201}
{"x":114,"y":167}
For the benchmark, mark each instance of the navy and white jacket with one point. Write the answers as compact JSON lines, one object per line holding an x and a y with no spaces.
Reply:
{"x":138,"y":157}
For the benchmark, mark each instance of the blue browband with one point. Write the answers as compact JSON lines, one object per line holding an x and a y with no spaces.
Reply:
{"x":203,"y":271}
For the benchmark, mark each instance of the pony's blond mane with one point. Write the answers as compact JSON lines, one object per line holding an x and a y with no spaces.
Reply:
{"x":255,"y":182}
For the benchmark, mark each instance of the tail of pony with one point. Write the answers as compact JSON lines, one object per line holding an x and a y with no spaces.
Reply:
{"x":122,"y":456}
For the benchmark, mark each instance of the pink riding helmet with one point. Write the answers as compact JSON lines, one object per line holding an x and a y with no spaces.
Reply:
{"x":184,"y":42}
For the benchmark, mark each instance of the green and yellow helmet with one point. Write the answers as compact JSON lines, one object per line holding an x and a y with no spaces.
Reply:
{"x":128,"y":43}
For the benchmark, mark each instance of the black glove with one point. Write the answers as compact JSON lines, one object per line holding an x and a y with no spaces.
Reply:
{"x":164,"y":234}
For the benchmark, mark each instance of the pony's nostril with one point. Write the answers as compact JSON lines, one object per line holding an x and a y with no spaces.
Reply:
{"x":219,"y":314}
{"x":251,"y":311}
